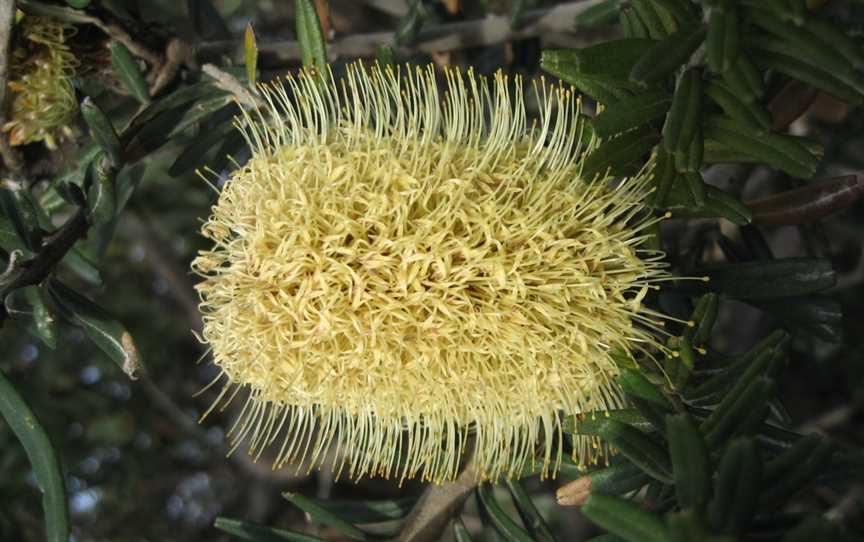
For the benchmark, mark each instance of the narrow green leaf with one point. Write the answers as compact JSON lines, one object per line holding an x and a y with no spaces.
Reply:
{"x":625,"y":519}
{"x":601,"y":14}
{"x":726,"y":420}
{"x":384,"y":56}
{"x":620,"y":156}
{"x":590,"y":423}
{"x":127,"y":71}
{"x":193,"y":155}
{"x":769,"y":280}
{"x":652,"y":20}
{"x":685,"y":114}
{"x":798,"y":475}
{"x":42,"y":458}
{"x":598,"y":70}
{"x":736,"y":490}
{"x":631,"y":112}
{"x":102,"y":197}
{"x":460,"y":533}
{"x":371,"y":511}
{"x":409,"y":26}
{"x":703,"y":318}
{"x":22,"y":217}
{"x":531,"y":518}
{"x":518,"y":10}
{"x":744,"y":79}
{"x":667,"y":55}
{"x":639,"y":448}
{"x":261,"y":533}
{"x":724,"y":37}
{"x":809,"y":73}
{"x":814,"y":315}
{"x":102,"y":131}
{"x":717,"y":204}
{"x":45,"y":323}
{"x":618,"y":479}
{"x":690,"y":461}
{"x":310,"y":38}
{"x":105,"y":332}
{"x":752,"y":114}
{"x":633,"y":383}
{"x":250,"y":55}
{"x":322,"y":515}
{"x":499,"y":519}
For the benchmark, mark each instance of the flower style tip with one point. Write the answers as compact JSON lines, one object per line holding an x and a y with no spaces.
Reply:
{"x":410,"y":271}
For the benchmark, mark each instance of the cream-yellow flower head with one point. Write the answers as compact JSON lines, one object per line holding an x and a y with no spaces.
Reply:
{"x":408,"y":271}
{"x":43,"y":102}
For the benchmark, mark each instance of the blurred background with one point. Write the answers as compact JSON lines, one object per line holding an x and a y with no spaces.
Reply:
{"x":138,"y":464}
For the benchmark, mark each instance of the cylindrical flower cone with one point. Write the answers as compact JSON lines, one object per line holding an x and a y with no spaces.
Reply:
{"x":410,"y":272}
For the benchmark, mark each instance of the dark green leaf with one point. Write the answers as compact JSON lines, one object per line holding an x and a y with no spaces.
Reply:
{"x":634,"y":383}
{"x":619,"y":156}
{"x":371,"y":511}
{"x":589,"y":423}
{"x":322,"y":515}
{"x":736,"y":491}
{"x":639,"y":448}
{"x":618,"y":479}
{"x":631,"y":112}
{"x":666,"y":56}
{"x":128,"y":72}
{"x":531,"y":518}
{"x":105,"y":332}
{"x":690,"y":461}
{"x":42,"y":458}
{"x":261,"y":533}
{"x":685,"y":115}
{"x":44,"y":320}
{"x":499,"y":519}
{"x":21,"y":216}
{"x":601,"y":14}
{"x":102,"y":131}
{"x":814,"y":316}
{"x":460,"y":533}
{"x":310,"y":38}
{"x":625,"y":519}
{"x":770,"y":280}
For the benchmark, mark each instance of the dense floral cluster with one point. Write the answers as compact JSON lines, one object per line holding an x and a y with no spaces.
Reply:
{"x":410,"y":271}
{"x":43,"y":101}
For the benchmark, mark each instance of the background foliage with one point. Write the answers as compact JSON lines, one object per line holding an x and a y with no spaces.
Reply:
{"x":746,"y":109}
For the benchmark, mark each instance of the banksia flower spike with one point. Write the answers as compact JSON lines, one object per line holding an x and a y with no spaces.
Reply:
{"x":411,"y":273}
{"x":43,"y":101}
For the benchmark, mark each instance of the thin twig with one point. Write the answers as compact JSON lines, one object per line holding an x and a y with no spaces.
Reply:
{"x":437,"y":506}
{"x":35,"y":270}
{"x":11,"y":157}
{"x":552,"y":23}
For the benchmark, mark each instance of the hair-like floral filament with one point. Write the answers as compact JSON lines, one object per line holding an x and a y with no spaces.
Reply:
{"x":404,"y":271}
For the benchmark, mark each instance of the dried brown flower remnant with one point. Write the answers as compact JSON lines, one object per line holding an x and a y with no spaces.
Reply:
{"x":43,"y":100}
{"x":398,"y":266}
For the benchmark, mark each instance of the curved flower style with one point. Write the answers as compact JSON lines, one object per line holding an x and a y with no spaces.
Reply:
{"x":396,"y":269}
{"x":43,"y":102}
